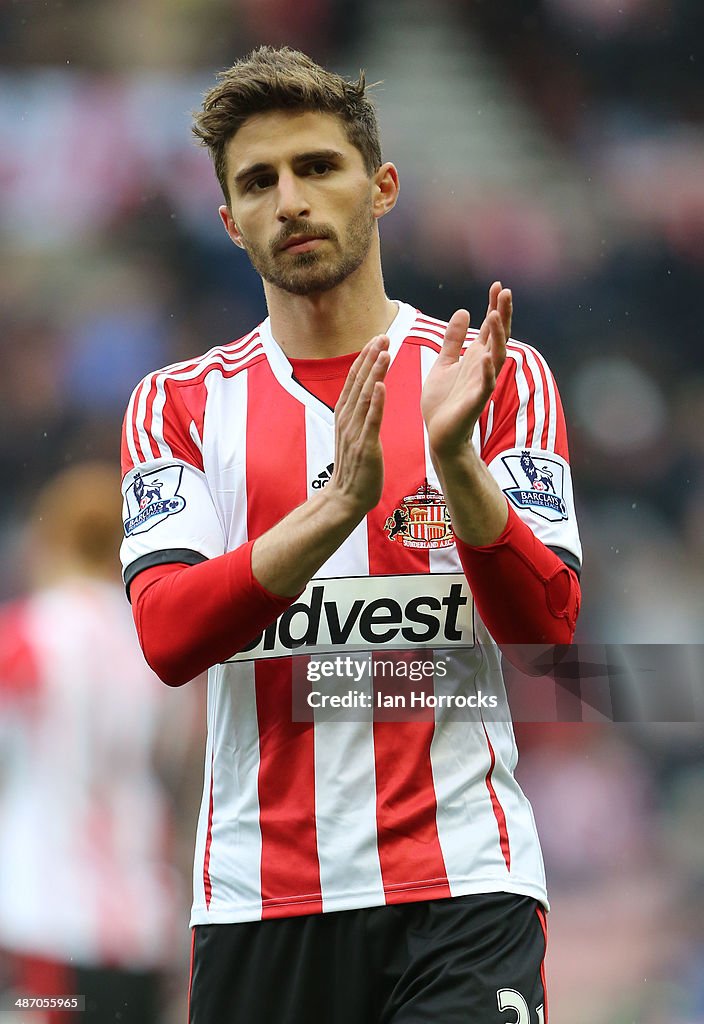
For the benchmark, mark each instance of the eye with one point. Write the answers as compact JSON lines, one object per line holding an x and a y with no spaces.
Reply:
{"x":260,"y":183}
{"x":320,"y":167}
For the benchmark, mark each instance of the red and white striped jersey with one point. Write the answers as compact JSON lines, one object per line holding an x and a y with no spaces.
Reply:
{"x":86,"y":840}
{"x":355,"y":811}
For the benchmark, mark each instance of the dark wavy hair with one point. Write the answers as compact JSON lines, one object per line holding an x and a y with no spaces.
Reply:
{"x":271,"y":79}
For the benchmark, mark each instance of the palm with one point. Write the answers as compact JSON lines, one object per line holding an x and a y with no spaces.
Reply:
{"x":458,"y":387}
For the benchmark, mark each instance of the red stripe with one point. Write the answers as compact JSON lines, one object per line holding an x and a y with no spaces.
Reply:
{"x":428,"y":323}
{"x":185,"y":404}
{"x":506,"y":403}
{"x":543,"y":385}
{"x":146,"y":390}
{"x":561,"y":447}
{"x":277,"y":476}
{"x":544,"y":925}
{"x":174,"y":374}
{"x":209,"y":838}
{"x":148,"y":418}
{"x":436,"y":346}
{"x":126,"y":460}
{"x":530,"y":408}
{"x":190,"y":976}
{"x":133,"y":425}
{"x":438,"y":331}
{"x":41,"y":976}
{"x":20,"y":668}
{"x":498,"y":809}
{"x":409,"y":847}
{"x":185,"y":400}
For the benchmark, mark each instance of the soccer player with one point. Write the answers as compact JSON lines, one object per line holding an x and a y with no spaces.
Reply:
{"x":299,"y":493}
{"x":86,"y":742}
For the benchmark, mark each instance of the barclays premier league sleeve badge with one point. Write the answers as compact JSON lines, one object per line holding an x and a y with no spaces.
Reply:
{"x":153,"y":497}
{"x":539,"y":485}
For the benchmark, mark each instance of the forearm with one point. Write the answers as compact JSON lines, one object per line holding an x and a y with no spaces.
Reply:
{"x":476,"y":504}
{"x":190,"y":617}
{"x":524,"y":593}
{"x":286,"y":557}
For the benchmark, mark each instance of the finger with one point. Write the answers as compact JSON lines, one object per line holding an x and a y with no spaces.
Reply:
{"x":488,"y":378}
{"x":504,"y":305}
{"x":359,"y":371}
{"x":353,"y":422}
{"x":494,"y":292}
{"x":455,"y":336}
{"x":372,"y":421}
{"x":352,"y":373}
{"x":497,"y":341}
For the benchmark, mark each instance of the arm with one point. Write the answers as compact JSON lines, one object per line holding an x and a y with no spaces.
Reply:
{"x":523,"y":591}
{"x":286,"y":557}
{"x":190,"y":617}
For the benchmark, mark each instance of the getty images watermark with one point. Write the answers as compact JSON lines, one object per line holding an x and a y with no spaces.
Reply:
{"x":357,"y":671}
{"x":638,"y":683}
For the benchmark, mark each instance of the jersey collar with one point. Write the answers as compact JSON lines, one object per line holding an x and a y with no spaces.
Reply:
{"x":283,"y":371}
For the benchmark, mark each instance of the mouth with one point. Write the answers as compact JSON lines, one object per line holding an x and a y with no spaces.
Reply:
{"x":301,"y":243}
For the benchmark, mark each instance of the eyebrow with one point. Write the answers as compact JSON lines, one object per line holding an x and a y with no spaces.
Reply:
{"x":299,"y":158}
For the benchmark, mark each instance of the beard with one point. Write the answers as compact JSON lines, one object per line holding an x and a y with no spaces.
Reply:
{"x":320,"y":270}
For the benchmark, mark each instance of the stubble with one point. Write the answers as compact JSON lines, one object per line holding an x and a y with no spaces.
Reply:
{"x":323,"y":268}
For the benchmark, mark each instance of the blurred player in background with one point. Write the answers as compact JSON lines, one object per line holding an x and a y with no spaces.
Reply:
{"x":89,"y":894}
{"x":326,"y":851}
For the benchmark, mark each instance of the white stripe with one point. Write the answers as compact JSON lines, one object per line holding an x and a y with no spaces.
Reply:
{"x":212,"y":363}
{"x":158,"y":417}
{"x":533,"y":353}
{"x":352,"y":557}
{"x":142,"y":435}
{"x":440,"y":325}
{"x":177,"y":371}
{"x":538,"y":400}
{"x":423,"y":318}
{"x":440,"y":559}
{"x":236,"y":844}
{"x":466,"y":822}
{"x":345,"y":799}
{"x":224,"y":448}
{"x":523,"y":399}
{"x":345,"y":774}
{"x":202,"y":827}
{"x":489,"y":422}
{"x":419,"y":332}
{"x":426,"y":335}
{"x":129,"y":428}
{"x":195,"y":436}
{"x":552,"y":402}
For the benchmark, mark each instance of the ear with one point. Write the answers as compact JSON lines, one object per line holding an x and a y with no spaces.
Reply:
{"x":386,"y":187}
{"x":230,"y":226}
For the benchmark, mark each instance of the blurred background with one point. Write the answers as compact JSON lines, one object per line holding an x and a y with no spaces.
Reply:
{"x":555,"y":144}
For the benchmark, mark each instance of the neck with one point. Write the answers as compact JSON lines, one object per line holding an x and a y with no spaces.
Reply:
{"x":336,"y":322}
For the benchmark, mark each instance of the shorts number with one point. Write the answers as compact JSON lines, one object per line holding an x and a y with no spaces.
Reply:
{"x":509,"y":999}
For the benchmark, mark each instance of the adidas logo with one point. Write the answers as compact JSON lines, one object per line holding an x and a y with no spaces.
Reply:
{"x":323,"y":478}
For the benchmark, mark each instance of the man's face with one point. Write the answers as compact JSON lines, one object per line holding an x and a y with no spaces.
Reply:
{"x":301,"y":200}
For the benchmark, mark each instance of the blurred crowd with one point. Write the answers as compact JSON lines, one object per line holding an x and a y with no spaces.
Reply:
{"x":118,"y":264}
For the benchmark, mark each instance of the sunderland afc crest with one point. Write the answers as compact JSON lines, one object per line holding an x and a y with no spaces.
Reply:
{"x":421,"y":520}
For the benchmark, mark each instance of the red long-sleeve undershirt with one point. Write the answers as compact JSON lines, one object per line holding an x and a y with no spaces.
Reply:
{"x":190,"y":617}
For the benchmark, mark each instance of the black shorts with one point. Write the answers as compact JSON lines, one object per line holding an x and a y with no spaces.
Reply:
{"x":465,"y":960}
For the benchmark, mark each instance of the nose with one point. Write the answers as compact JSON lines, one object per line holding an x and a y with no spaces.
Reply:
{"x":292,"y":203}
